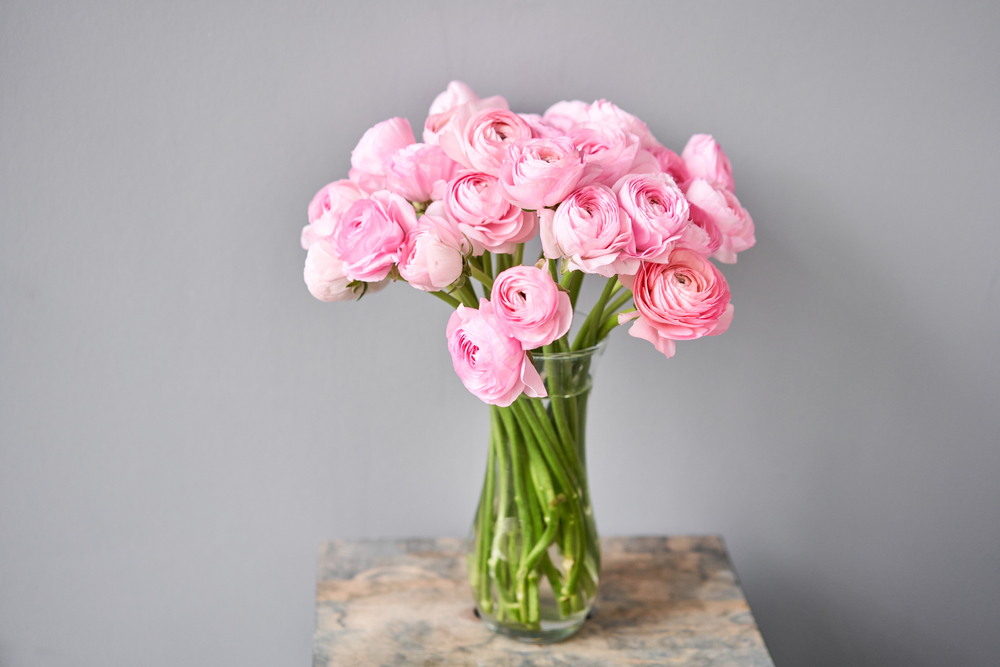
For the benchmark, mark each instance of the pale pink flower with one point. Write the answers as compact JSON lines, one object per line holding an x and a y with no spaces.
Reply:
{"x":326,"y":208}
{"x":724,"y":208}
{"x":416,"y":171}
{"x":706,"y":159}
{"x":701,"y":235}
{"x":431,"y":258}
{"x":683,"y":299}
{"x":657,"y":211}
{"x":369,"y":235}
{"x":475,"y":202}
{"x":564,"y":115}
{"x":530,"y":307}
{"x":376,"y":146}
{"x":480,"y":141}
{"x":591,"y":231}
{"x":606,"y":113}
{"x":541,"y":127}
{"x":607,"y":147}
{"x":325,"y":277}
{"x":448,"y":103}
{"x":491,"y":365}
{"x":672,"y":164}
{"x":541,"y":172}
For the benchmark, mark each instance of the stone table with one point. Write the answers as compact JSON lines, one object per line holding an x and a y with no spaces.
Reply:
{"x":662,"y":601}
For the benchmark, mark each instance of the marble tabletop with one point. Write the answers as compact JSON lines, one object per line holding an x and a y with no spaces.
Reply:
{"x":662,"y":601}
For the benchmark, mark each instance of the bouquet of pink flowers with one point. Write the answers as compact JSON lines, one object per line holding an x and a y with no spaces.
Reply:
{"x":605,"y":198}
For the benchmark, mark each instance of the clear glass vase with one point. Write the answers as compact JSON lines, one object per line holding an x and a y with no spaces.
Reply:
{"x":534,"y":557}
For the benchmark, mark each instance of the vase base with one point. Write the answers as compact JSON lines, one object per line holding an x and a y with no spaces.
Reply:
{"x":550,"y":632}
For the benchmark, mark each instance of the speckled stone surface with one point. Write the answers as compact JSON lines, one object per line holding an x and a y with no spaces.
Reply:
{"x":662,"y":601}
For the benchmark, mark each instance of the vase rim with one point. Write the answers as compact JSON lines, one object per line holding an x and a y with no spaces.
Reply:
{"x":578,"y":354}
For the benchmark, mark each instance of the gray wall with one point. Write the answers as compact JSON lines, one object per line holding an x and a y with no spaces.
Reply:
{"x":181,"y":422}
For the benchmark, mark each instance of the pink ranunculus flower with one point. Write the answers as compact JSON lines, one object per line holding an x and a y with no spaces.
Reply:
{"x":414,"y":172}
{"x":701,"y":235}
{"x":705,"y":158}
{"x":606,"y":113}
{"x":529,"y":306}
{"x":475,"y":202}
{"x":326,"y":208}
{"x":606,"y":146}
{"x":724,"y":208}
{"x":325,"y":277}
{"x":541,"y":127}
{"x":564,"y":115}
{"x":376,"y":146}
{"x":491,"y":365}
{"x":431,"y":257}
{"x":672,"y":164}
{"x":447,"y":104}
{"x":591,"y":231}
{"x":657,"y":211}
{"x":541,"y":172}
{"x":480,"y":141}
{"x":685,"y":298}
{"x":369,"y":235}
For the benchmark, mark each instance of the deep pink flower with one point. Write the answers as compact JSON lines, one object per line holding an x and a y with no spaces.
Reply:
{"x":683,"y":299}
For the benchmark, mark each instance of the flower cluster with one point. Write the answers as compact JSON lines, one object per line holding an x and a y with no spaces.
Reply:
{"x":589,"y":180}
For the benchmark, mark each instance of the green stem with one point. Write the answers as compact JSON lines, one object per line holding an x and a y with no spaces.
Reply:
{"x":487,"y":263}
{"x":618,"y":302}
{"x":588,"y":334}
{"x":553,"y":270}
{"x":518,"y":254}
{"x":574,"y":288}
{"x":450,"y":300}
{"x":482,"y":277}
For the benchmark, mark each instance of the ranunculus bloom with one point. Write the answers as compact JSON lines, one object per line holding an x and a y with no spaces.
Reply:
{"x":705,"y":159}
{"x":376,"y":146}
{"x":701,"y":235}
{"x":683,"y":299}
{"x":541,"y":172}
{"x":564,"y":115}
{"x":480,"y":142}
{"x":369,"y":235}
{"x":657,"y":211}
{"x":724,"y":208}
{"x":606,"y":146}
{"x":325,"y":277}
{"x":606,"y":113}
{"x":326,"y":208}
{"x":672,"y":164}
{"x":591,"y":231}
{"x":431,"y":256}
{"x":541,"y":127}
{"x":457,"y":98}
{"x":476,"y":204}
{"x":418,"y":171}
{"x":491,"y":365}
{"x":530,"y":307}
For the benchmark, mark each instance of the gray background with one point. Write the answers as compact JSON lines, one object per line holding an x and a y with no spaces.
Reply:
{"x":181,"y":422}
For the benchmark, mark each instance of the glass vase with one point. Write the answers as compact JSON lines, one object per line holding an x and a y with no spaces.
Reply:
{"x":534,"y":558}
